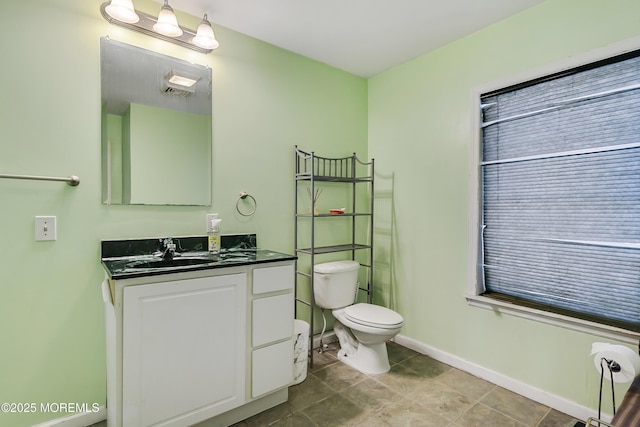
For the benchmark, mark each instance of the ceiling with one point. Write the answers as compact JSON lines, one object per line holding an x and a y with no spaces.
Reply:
{"x":363,"y":37}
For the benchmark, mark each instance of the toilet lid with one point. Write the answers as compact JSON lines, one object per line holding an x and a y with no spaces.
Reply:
{"x":373,"y":315}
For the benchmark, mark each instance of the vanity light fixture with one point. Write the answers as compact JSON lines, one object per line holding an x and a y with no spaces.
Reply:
{"x":122,"y":10}
{"x":164,"y":27}
{"x":205,"y":37}
{"x":167,"y":22}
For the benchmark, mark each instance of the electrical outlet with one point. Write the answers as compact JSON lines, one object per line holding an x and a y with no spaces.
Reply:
{"x":209,"y":218}
{"x":45,"y":228}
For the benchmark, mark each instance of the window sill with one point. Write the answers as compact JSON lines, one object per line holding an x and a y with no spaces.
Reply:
{"x":609,"y":332}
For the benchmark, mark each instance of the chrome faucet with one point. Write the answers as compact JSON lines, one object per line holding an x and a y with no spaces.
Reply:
{"x":167,"y":248}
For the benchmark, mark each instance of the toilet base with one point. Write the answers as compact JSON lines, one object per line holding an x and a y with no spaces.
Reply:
{"x":369,"y":359}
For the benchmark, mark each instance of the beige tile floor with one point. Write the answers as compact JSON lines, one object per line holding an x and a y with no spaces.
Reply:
{"x":418,"y":391}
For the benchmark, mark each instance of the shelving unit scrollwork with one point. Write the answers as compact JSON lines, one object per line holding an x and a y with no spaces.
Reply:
{"x":313,"y":173}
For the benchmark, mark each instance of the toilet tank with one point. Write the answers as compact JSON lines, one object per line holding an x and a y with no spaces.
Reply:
{"x":335,"y":283}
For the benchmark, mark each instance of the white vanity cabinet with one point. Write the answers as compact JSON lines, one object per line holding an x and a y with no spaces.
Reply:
{"x":183,"y":348}
{"x":212,"y":346}
{"x":272,"y":329}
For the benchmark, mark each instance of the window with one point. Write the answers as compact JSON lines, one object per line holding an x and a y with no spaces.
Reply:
{"x":560,"y":193}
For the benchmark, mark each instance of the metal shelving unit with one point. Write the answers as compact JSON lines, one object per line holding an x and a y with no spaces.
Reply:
{"x":310,"y":170}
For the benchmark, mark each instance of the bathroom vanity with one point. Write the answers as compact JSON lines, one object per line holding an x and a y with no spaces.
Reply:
{"x":193,"y":337}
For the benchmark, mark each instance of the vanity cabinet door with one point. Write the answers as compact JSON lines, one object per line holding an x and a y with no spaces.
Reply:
{"x":183,"y":350}
{"x":272,"y":368}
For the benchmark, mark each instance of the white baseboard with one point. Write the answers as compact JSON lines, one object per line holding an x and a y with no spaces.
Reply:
{"x":327,"y":338}
{"x":77,"y":420}
{"x":558,"y":403}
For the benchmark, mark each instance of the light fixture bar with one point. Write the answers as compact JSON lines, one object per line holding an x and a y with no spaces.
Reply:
{"x":145,"y":26}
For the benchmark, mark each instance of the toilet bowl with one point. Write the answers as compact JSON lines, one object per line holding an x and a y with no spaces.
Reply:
{"x":362,"y":329}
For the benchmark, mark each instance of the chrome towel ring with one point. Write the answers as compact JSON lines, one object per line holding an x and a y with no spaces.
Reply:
{"x":243,"y":196}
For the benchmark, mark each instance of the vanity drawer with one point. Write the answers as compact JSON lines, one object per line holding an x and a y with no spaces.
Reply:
{"x":272,"y":368}
{"x":272,"y":279}
{"x":272,"y":319}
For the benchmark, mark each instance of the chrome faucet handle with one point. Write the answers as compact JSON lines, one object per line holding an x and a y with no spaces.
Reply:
{"x":167,"y":247}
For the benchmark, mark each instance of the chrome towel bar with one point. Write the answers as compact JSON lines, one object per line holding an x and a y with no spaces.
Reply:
{"x":72,"y":180}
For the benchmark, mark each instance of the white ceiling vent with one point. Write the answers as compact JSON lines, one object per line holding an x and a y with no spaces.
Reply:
{"x":180,"y":83}
{"x":176,"y":90}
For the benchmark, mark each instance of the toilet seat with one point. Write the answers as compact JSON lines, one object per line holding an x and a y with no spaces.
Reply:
{"x":373,"y":316}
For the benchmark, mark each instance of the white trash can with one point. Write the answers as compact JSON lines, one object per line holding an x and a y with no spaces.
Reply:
{"x":300,"y":351}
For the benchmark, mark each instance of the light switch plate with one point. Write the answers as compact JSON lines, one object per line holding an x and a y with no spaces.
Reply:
{"x":45,"y":228}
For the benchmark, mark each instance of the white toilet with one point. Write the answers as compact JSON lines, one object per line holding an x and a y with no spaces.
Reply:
{"x":362,"y":329}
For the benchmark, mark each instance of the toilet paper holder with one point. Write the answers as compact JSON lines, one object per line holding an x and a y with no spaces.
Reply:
{"x":622,"y":363}
{"x":612,"y":365}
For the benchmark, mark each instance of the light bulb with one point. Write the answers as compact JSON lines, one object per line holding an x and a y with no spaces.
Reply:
{"x":205,"y":37}
{"x":167,"y":22}
{"x":123,"y":11}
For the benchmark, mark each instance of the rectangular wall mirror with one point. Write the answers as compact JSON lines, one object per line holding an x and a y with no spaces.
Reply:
{"x":156,"y":128}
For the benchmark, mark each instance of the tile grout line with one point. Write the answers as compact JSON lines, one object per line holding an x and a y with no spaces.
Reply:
{"x":543,"y":417}
{"x":477,"y":401}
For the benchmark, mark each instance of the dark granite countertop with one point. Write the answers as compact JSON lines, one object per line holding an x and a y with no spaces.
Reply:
{"x":125,"y":259}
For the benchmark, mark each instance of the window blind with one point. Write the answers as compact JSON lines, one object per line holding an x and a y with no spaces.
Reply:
{"x":561,"y":192}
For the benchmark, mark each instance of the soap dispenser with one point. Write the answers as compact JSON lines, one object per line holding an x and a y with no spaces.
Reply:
{"x":213,"y":234}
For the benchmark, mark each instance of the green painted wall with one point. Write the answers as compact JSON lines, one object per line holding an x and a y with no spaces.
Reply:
{"x":170,"y":155}
{"x":265,"y":100}
{"x":420,"y":131}
{"x":112,"y":142}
